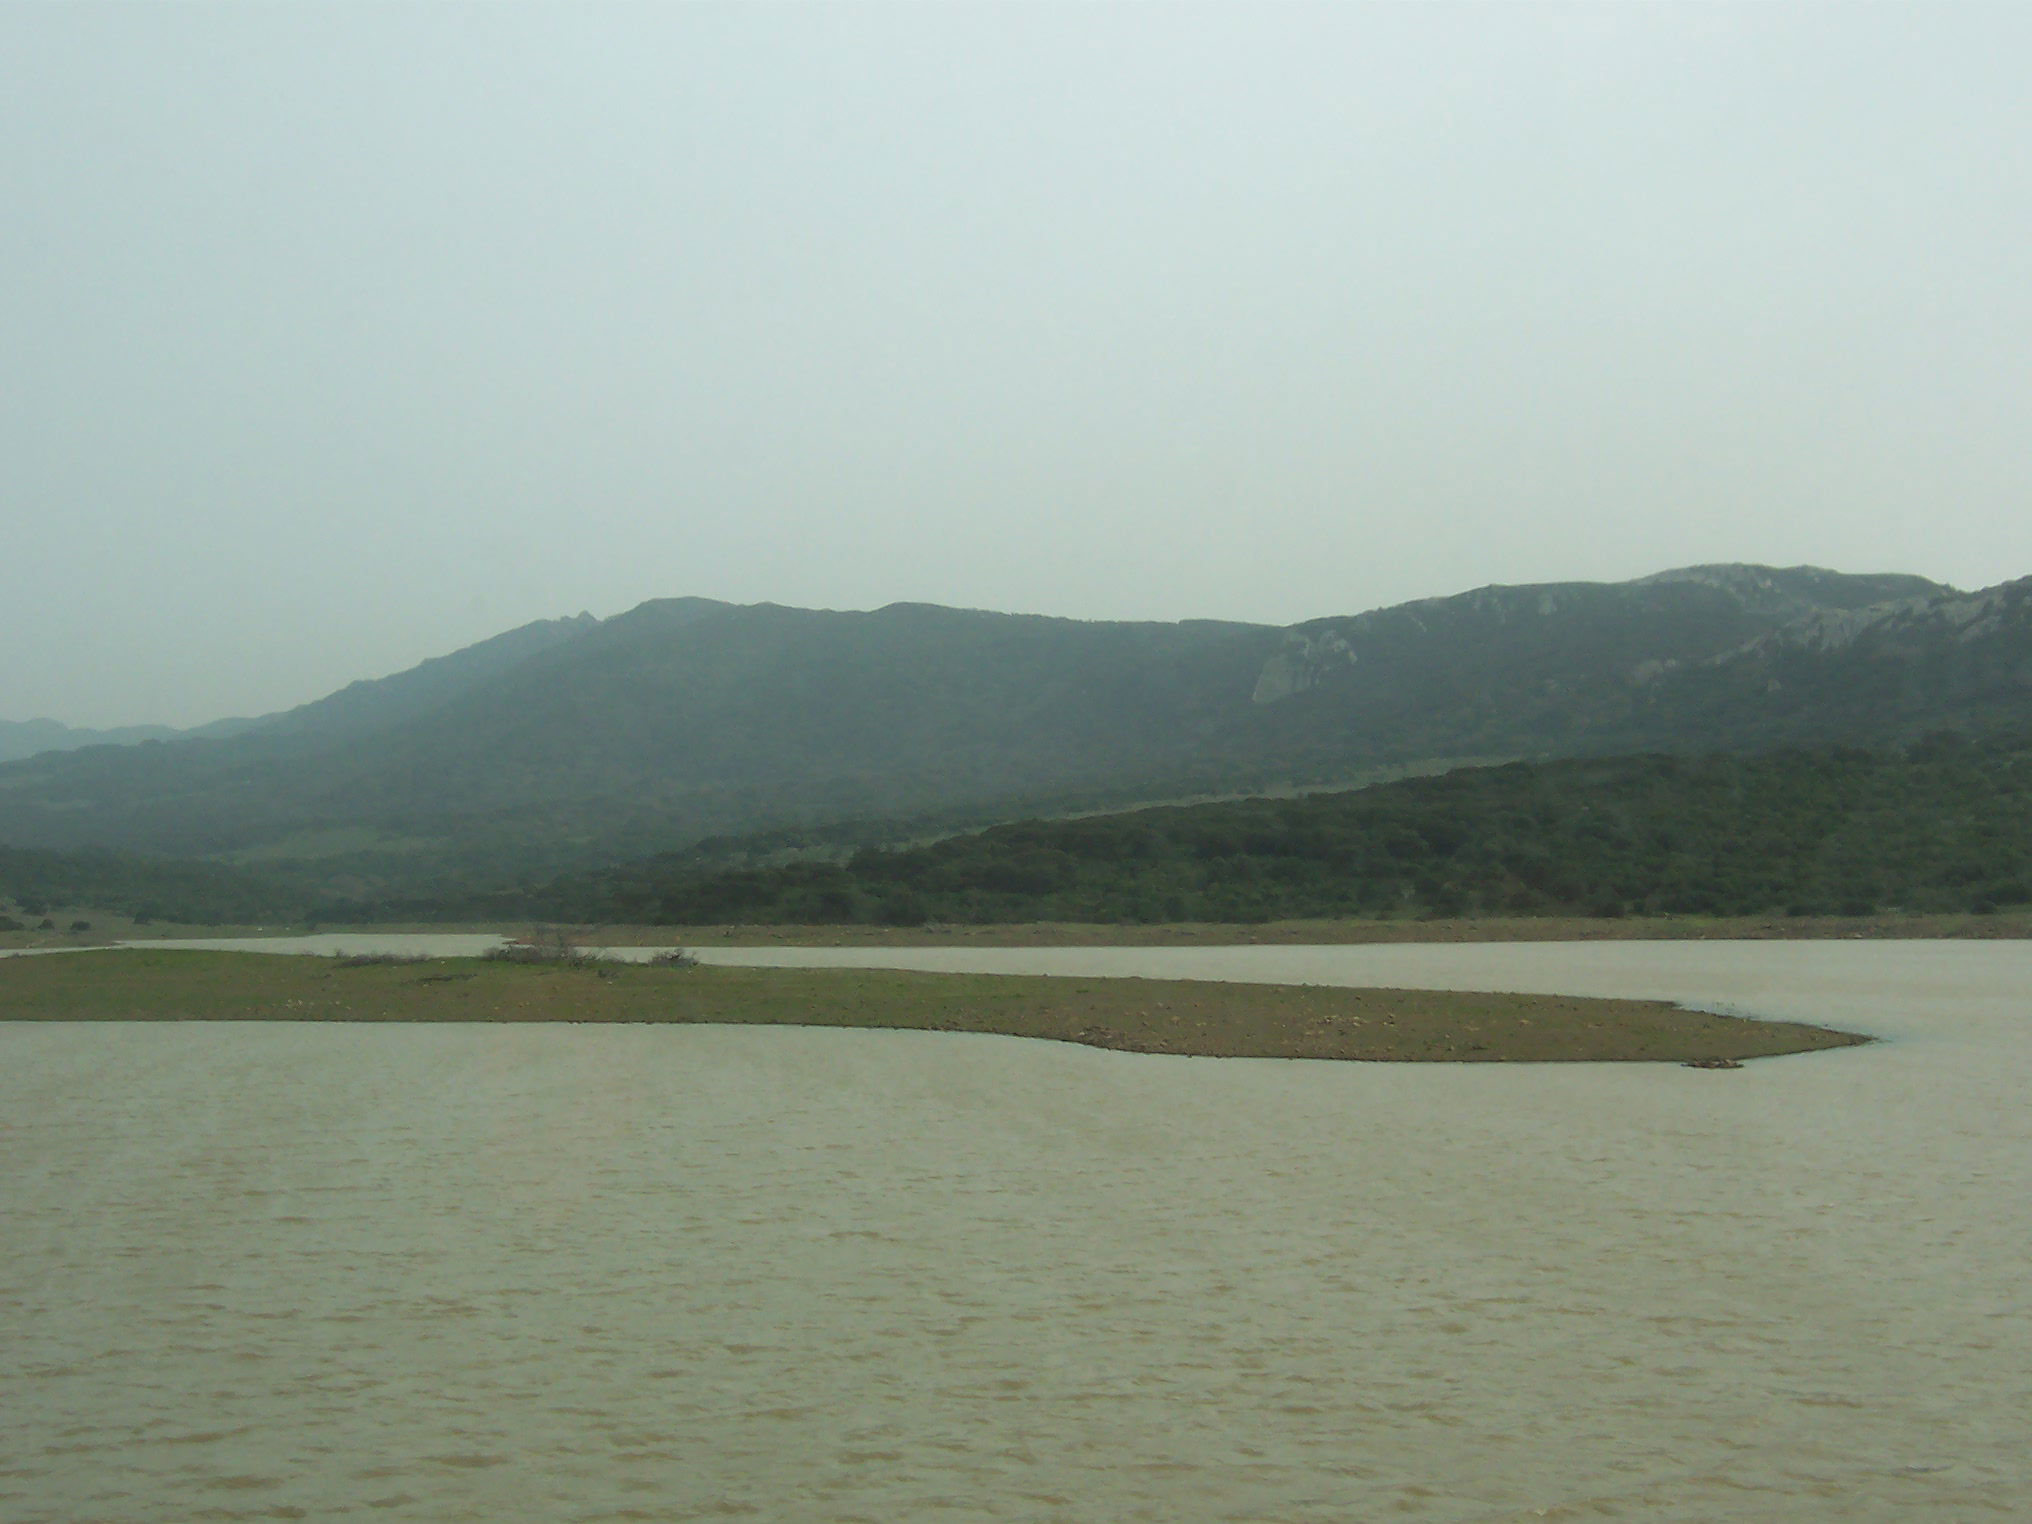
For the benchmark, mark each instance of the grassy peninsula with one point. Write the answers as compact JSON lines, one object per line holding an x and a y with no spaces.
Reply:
{"x":1183,"y":1017}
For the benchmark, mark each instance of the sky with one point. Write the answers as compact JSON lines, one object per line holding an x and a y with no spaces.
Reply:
{"x":337,"y":336}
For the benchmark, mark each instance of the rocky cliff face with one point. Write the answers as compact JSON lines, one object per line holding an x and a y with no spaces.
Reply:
{"x":1884,"y":672}
{"x":1307,"y":658}
{"x":1912,"y":626}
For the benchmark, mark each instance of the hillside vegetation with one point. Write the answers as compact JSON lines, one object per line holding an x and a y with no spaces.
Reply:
{"x":37,"y":886}
{"x":578,"y":742}
{"x":1943,"y":826}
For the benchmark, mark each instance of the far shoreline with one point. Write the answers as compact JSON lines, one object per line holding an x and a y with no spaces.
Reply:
{"x":1320,"y":933}
{"x":107,"y":930}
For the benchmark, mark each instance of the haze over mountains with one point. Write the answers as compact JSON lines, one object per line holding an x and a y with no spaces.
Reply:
{"x":576,"y":742}
{"x":28,"y":738}
{"x":31,"y":738}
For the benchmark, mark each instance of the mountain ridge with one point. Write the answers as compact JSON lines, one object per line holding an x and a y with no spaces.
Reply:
{"x":565,"y":743}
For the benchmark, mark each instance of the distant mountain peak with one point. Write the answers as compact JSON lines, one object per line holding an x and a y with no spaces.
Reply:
{"x":1806,"y":586}
{"x":1732,"y":574}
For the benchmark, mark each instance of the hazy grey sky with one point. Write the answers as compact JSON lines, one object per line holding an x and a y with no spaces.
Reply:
{"x":336,"y":336}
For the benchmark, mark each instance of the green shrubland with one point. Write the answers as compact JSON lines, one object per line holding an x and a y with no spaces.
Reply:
{"x":1944,"y":826}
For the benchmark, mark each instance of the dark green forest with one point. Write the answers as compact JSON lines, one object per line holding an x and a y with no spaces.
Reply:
{"x":1942,"y":826}
{"x":35,"y":883}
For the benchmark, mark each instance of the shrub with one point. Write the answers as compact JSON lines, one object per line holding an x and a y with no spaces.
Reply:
{"x":558,"y":945}
{"x":675,"y":957}
{"x":905,"y":908}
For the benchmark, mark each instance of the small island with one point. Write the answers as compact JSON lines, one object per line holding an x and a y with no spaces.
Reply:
{"x":1195,"y":1018}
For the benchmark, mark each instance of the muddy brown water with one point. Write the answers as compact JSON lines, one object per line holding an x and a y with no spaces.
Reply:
{"x":258,"y":1271}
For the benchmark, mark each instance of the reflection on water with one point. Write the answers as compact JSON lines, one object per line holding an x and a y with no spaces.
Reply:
{"x":668,"y":1273}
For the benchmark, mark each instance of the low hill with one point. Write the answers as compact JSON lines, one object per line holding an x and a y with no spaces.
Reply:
{"x":1945,"y":825}
{"x":30,"y":738}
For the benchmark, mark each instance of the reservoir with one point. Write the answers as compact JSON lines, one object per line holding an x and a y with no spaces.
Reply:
{"x":601,"y":1273}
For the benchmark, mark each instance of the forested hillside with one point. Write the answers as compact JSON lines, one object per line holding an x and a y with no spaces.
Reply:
{"x":34,"y":884}
{"x":1945,"y":825}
